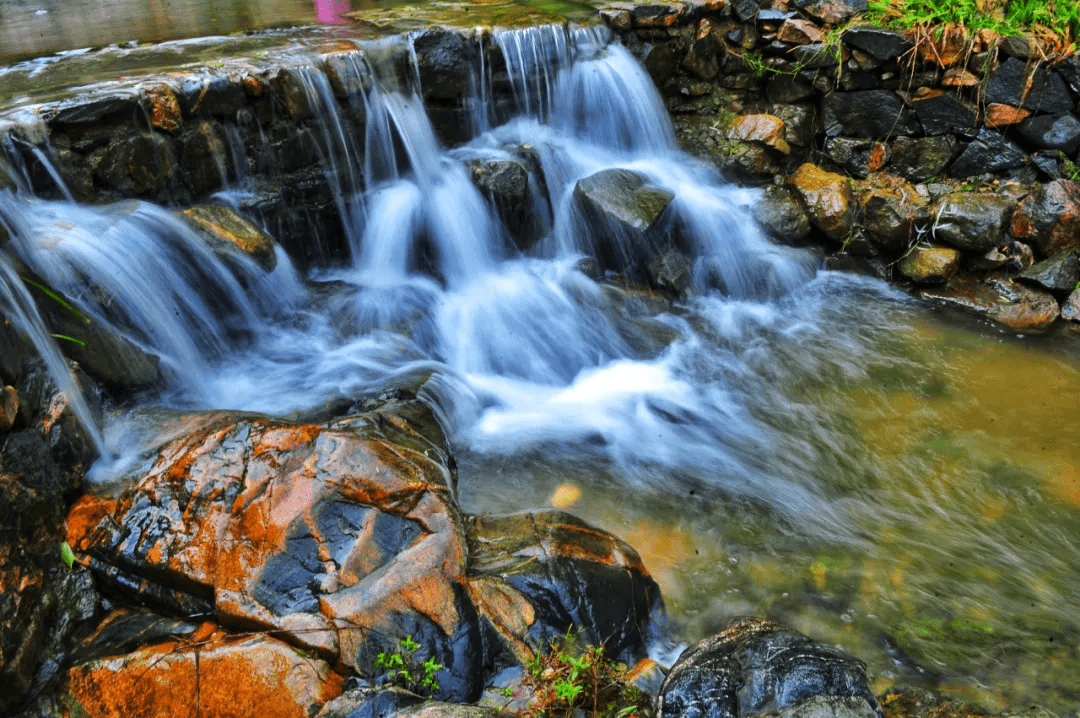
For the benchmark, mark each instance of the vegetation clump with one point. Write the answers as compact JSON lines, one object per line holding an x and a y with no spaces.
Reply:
{"x":404,"y":670}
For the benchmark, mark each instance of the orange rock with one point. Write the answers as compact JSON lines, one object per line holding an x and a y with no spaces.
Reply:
{"x":998,"y":115}
{"x":84,"y":515}
{"x":766,"y":129}
{"x":1050,"y":218}
{"x":828,"y":199}
{"x":799,"y":31}
{"x":164,"y":108}
{"x":959,"y":77}
{"x":931,"y":265}
{"x":256,"y":677}
{"x":253,"y":86}
{"x":945,"y":50}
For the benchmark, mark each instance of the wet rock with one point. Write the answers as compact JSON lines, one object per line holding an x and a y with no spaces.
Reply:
{"x":877,"y":42}
{"x":828,"y":199}
{"x":119,"y":103}
{"x":671,"y":271}
{"x":816,"y":56}
{"x":628,"y":211}
{"x":203,"y":157}
{"x":1069,"y":69}
{"x":656,"y":15}
{"x":1070,"y":309}
{"x":745,"y":10}
{"x":1048,"y":164}
{"x":701,"y":61}
{"x":1050,"y":218}
{"x":944,"y":114}
{"x":856,"y":157}
{"x":973,"y":221}
{"x":228,"y":234}
{"x":505,"y":182}
{"x":662,"y":61}
{"x":919,"y":159}
{"x":137,"y":165}
{"x":990,"y":151}
{"x":444,"y":60}
{"x":875,"y":114}
{"x":931,"y":265}
{"x":348,"y":74}
{"x":799,"y":31}
{"x":798,"y":123}
{"x":9,"y":407}
{"x":290,"y":90}
{"x":343,"y":536}
{"x":893,"y":215}
{"x":366,"y":702}
{"x":256,"y":676}
{"x":1059,"y":273}
{"x":780,"y":213}
{"x":788,"y":88}
{"x":832,"y":12}
{"x":754,"y":666}
{"x":211,"y":96}
{"x":997,"y":297}
{"x":999,"y":115}
{"x":165,"y":111}
{"x":1043,"y":90}
{"x":1053,"y":132}
{"x":766,"y":129}
{"x":535,"y":575}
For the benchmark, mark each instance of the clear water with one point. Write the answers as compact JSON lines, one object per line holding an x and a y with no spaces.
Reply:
{"x":808,"y":445}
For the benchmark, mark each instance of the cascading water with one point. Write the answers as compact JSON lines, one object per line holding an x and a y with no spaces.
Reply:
{"x":738,"y":396}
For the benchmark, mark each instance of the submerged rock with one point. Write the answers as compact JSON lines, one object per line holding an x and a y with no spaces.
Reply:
{"x":754,"y":667}
{"x":1023,"y":309}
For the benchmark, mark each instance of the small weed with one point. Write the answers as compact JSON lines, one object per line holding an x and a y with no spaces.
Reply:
{"x":403,"y":669}
{"x":1069,"y":169}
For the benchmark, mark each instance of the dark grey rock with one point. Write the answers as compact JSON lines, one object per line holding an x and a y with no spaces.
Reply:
{"x":881,"y":44}
{"x":788,"y":88}
{"x":826,"y":707}
{"x":1069,"y":69}
{"x":1015,"y":46}
{"x":990,"y":151}
{"x":1047,"y":92}
{"x":780,"y":213}
{"x":745,"y":10}
{"x":1052,"y":132}
{"x":671,"y":270}
{"x":137,"y":165}
{"x":1048,"y":164}
{"x":1058,"y":273}
{"x":91,"y":110}
{"x":875,"y":114}
{"x":944,"y":114}
{"x":210,"y":95}
{"x":816,"y":56}
{"x":203,"y":156}
{"x":859,"y":80}
{"x":798,"y":122}
{"x":652,"y":15}
{"x":973,"y":220}
{"x":348,"y":74}
{"x":445,"y":61}
{"x":755,"y":666}
{"x":701,"y":61}
{"x":852,"y":155}
{"x":773,"y":16}
{"x":661,"y":60}
{"x":918,"y":159}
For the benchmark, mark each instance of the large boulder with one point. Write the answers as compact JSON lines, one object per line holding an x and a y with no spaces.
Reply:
{"x":874,"y":114}
{"x":623,"y":214}
{"x":756,"y":667}
{"x":1016,"y":83}
{"x":990,"y":151}
{"x":828,"y":199}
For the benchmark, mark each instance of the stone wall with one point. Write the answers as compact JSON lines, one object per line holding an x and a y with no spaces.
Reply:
{"x":925,"y":160}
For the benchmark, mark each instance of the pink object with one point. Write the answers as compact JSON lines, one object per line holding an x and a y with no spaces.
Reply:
{"x":331,"y":11}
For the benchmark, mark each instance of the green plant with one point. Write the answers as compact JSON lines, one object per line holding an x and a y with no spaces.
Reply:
{"x":570,"y":676}
{"x":1069,"y":169}
{"x":403,"y":669}
{"x":67,"y":555}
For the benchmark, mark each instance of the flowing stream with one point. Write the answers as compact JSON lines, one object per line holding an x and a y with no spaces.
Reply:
{"x":808,"y":445}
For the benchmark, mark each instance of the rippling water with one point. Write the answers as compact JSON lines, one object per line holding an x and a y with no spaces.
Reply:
{"x":807,"y":445}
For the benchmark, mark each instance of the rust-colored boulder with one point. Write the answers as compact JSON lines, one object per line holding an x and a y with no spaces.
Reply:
{"x":1050,"y":218}
{"x":165,"y":111}
{"x":343,"y":536}
{"x":1023,"y":309}
{"x":892,"y":213}
{"x":227,"y":231}
{"x":9,"y":407}
{"x":828,"y":199}
{"x":255,"y":676}
{"x":767,"y":129}
{"x":930,"y":265}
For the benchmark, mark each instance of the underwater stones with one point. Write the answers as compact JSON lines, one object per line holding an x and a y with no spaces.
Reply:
{"x":257,"y":676}
{"x":973,"y":221}
{"x":1050,"y":218}
{"x":874,"y":114}
{"x":1015,"y":83}
{"x":997,"y":297}
{"x":626,"y":203}
{"x":930,"y":265}
{"x":228,"y":233}
{"x":828,"y":199}
{"x":755,"y":667}
{"x":536,"y":575}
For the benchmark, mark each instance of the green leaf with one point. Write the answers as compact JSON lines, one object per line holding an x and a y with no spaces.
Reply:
{"x":67,"y":554}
